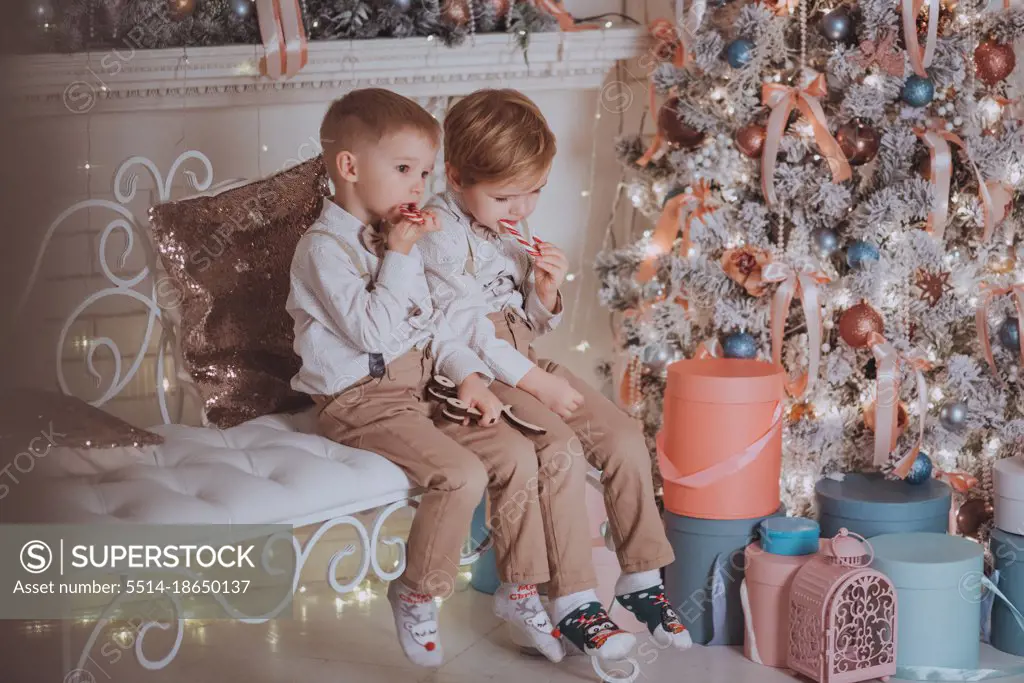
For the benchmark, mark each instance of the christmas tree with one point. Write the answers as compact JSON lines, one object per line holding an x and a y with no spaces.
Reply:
{"x":832,"y":187}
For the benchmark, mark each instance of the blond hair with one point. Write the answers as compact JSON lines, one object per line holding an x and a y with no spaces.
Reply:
{"x":370,"y":114}
{"x":497,"y":136}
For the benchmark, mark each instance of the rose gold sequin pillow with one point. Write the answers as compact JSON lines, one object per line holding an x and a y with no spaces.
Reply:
{"x":228,"y":258}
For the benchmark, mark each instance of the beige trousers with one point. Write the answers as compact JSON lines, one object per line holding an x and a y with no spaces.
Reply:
{"x":454,"y":464}
{"x":601,"y":435}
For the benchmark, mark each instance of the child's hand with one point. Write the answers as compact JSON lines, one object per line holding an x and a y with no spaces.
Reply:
{"x":553,"y":391}
{"x":475,"y":393}
{"x":404,"y":232}
{"x":551,"y":268}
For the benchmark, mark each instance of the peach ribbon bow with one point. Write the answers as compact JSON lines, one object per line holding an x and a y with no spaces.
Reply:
{"x":284,"y":38}
{"x":995,"y":195}
{"x":801,"y":281}
{"x":887,"y":401}
{"x":988,"y":293}
{"x":782,"y":99}
{"x":678,"y":214}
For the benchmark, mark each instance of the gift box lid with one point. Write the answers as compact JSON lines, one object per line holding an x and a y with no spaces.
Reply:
{"x":771,"y":569}
{"x":725,"y":380}
{"x":783,"y":527}
{"x":717,"y":527}
{"x":1008,"y":478}
{"x":928,"y":561}
{"x":873,"y":497}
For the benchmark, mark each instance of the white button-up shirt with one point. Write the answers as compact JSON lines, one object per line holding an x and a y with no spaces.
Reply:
{"x":473,"y":272}
{"x":351,"y":298}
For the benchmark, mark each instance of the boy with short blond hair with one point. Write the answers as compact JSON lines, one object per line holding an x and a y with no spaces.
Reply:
{"x":498,"y":153}
{"x":370,"y":340}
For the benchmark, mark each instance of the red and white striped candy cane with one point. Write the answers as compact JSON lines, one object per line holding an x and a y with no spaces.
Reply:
{"x":532,"y":248}
{"x":412,"y":214}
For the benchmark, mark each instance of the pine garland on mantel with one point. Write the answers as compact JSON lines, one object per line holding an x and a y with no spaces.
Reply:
{"x":49,"y":26}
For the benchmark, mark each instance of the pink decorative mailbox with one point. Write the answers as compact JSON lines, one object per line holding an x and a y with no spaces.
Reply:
{"x":842,"y":615}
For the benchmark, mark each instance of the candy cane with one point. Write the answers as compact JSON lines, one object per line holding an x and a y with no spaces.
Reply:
{"x":412,"y":214}
{"x":532,"y":248}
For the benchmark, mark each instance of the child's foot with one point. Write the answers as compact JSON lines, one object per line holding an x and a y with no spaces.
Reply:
{"x":520,"y":606}
{"x":416,"y":623}
{"x":590,"y":629}
{"x":649,"y":606}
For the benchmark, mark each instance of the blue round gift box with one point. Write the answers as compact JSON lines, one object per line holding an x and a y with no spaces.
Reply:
{"x":789,"y":536}
{"x":870,"y":505}
{"x":1008,"y":553}
{"x":688,"y":581}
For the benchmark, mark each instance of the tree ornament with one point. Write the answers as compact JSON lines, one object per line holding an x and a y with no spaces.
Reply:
{"x":739,"y":52}
{"x":242,"y":8}
{"x":501,"y":7}
{"x":972,"y":515}
{"x":180,"y":9}
{"x":837,"y":25}
{"x":858,"y":142}
{"x":920,"y":471}
{"x":739,"y":345}
{"x":656,"y":357}
{"x":744,"y":265}
{"x":932,"y":286}
{"x":953,"y":416}
{"x":826,"y":241}
{"x":802,"y":411}
{"x":674,"y":129}
{"x":917,"y":91}
{"x":456,"y":12}
{"x":750,"y":139}
{"x":1009,"y":334}
{"x":1002,"y":263}
{"x":860,"y":253}
{"x":994,"y":61}
{"x":858,"y":322}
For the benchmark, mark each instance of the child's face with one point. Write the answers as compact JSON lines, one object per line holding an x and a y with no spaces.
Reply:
{"x":394,"y":171}
{"x":510,"y":201}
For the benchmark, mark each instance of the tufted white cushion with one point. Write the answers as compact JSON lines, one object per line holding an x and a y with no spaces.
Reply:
{"x":267,"y":470}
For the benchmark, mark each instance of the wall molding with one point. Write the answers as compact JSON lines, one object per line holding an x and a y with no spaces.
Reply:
{"x":193,"y":78}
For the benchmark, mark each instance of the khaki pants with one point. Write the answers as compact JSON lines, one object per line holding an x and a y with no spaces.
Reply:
{"x":455,"y":464}
{"x":609,"y":440}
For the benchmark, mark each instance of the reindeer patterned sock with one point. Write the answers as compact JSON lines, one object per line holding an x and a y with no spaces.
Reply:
{"x":520,"y":605}
{"x":644,"y":596}
{"x":586,"y":624}
{"x":416,"y":623}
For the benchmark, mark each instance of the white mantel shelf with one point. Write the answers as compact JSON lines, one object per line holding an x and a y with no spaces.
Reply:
{"x":146,"y":80}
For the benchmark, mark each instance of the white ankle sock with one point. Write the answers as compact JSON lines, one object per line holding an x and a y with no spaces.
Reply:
{"x":416,"y":622}
{"x":561,"y":607}
{"x":520,"y":606}
{"x":637,"y":581}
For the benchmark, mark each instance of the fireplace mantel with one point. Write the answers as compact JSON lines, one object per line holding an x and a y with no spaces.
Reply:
{"x":147,"y":80}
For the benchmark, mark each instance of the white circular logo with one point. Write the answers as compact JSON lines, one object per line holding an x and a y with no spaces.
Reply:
{"x":36,"y":557}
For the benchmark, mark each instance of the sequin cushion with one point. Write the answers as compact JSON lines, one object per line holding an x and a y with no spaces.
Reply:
{"x":35,"y":421}
{"x":227,"y":258}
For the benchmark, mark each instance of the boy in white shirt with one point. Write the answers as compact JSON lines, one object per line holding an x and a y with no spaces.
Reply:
{"x":370,"y":340}
{"x":498,"y":296}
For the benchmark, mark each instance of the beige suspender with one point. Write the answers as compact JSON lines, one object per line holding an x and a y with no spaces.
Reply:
{"x":352,"y":254}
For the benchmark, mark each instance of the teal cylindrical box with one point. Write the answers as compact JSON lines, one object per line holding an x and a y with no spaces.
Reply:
{"x":789,"y":536}
{"x":688,"y":580}
{"x":938,"y":582}
{"x":1008,"y":553}
{"x":485,"y":569}
{"x":870,"y":504}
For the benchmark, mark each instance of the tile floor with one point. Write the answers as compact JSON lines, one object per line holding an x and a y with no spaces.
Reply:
{"x":348,"y":640}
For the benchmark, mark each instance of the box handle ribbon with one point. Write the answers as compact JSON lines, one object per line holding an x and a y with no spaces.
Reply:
{"x":748,"y":621}
{"x":722,"y":469}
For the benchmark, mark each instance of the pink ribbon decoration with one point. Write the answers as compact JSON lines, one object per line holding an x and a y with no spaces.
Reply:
{"x":565,"y":20}
{"x":887,"y":397}
{"x":920,"y":59}
{"x":677,"y":215}
{"x":919,"y":363}
{"x":883,"y":53}
{"x":284,"y":38}
{"x":995,"y":195}
{"x":988,"y":293}
{"x":801,"y":281}
{"x":782,"y":99}
{"x":722,"y":468}
{"x":711,"y":348}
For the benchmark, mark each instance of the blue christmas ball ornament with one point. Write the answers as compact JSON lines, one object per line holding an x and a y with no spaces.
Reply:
{"x":826,"y":241}
{"x":917,"y":91}
{"x":739,"y":345}
{"x":920,"y":471}
{"x":859,"y":253}
{"x":740,"y":52}
{"x":1009,"y":334}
